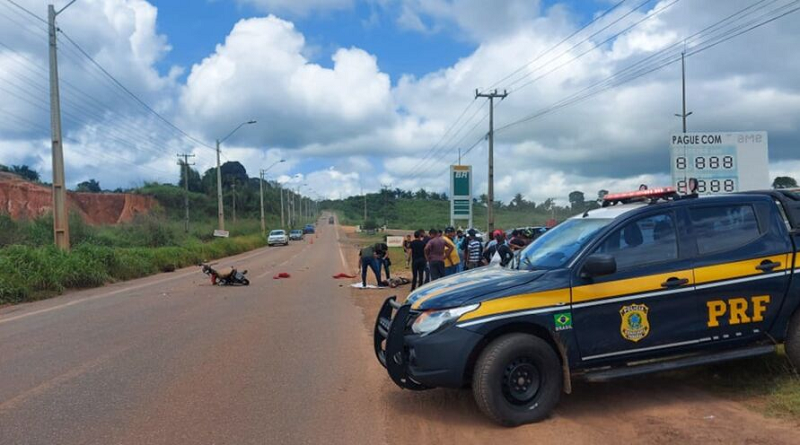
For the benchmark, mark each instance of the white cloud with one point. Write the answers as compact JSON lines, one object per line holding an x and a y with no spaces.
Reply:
{"x":260,"y":72}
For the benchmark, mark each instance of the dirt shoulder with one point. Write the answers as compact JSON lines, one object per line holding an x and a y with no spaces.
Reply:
{"x":656,"y":409}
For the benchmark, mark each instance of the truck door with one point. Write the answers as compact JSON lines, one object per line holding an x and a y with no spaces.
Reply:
{"x":648,"y":304}
{"x":742,"y":268}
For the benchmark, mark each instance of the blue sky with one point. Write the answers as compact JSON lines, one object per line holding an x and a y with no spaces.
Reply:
{"x":194,"y":32}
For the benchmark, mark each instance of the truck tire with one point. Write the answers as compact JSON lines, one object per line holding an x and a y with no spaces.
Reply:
{"x":793,"y":341}
{"x":517,"y":380}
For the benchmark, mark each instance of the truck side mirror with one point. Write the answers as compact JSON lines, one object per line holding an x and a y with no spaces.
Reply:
{"x":598,"y":265}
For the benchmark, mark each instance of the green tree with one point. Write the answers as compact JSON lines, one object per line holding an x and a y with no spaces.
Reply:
{"x":25,"y":172}
{"x":577,"y":200}
{"x":784,"y":182}
{"x":90,"y":186}
{"x":518,"y":201}
{"x":195,"y":182}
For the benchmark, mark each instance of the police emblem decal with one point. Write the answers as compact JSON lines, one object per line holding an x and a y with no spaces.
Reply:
{"x":635,"y":325}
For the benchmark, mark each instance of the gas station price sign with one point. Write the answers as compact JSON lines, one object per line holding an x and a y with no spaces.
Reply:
{"x":721,"y":162}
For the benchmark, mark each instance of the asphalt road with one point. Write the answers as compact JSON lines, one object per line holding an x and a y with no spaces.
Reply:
{"x":170,"y":359}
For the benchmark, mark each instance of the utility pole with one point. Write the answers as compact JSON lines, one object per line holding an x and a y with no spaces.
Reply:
{"x":491,"y":96}
{"x":185,"y":164}
{"x":283,"y":223}
{"x":60,"y":219}
{"x":683,"y":115}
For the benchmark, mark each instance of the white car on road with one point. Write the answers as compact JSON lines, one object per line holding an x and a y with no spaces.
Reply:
{"x":278,"y":237}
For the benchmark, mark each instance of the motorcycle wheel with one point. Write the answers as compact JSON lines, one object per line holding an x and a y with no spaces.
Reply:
{"x":245,"y":281}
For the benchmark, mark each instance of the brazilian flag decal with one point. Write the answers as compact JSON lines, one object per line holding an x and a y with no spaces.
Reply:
{"x":563,"y":321}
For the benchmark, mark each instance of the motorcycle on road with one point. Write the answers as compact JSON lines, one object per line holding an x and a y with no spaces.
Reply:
{"x":226,"y":277}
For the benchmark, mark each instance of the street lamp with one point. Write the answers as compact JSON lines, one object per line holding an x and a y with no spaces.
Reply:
{"x":261,"y":193}
{"x":220,"y":211}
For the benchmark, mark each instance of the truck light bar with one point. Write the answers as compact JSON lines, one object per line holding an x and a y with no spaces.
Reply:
{"x":651,"y":193}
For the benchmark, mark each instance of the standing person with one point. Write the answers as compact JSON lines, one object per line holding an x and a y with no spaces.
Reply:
{"x":498,"y":237}
{"x":368,"y":259}
{"x":382,"y":252}
{"x":503,"y":250}
{"x":435,"y":252}
{"x":407,"y":250}
{"x":472,"y":250}
{"x":461,"y":240}
{"x":418,"y":262}
{"x":452,"y":259}
{"x":517,"y":241}
{"x":427,"y":238}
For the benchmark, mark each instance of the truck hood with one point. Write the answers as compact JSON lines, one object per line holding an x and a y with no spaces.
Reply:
{"x":468,"y":287}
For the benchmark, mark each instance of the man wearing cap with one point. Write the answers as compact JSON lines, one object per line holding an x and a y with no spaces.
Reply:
{"x":452,"y":260}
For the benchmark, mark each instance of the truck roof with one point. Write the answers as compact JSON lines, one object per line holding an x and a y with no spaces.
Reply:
{"x":789,"y":200}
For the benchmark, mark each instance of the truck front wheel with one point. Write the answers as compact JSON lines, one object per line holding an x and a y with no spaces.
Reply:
{"x":517,"y":380}
{"x":793,"y":341}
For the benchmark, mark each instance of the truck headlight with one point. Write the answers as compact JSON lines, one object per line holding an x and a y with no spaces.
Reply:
{"x":431,"y":321}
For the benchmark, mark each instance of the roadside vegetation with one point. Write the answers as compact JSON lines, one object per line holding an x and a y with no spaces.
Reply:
{"x":31,"y":268}
{"x":767,"y":384}
{"x":402,"y":209}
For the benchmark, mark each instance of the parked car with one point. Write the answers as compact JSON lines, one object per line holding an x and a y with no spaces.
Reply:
{"x":330,"y":220}
{"x":278,"y":237}
{"x":309,"y":228}
{"x":652,"y":281}
{"x":296,"y":235}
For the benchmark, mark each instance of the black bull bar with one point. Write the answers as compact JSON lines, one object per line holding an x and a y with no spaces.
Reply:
{"x":389,"y":342}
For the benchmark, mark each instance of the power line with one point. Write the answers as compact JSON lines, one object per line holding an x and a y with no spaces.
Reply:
{"x":549,"y":50}
{"x":628,"y":74}
{"x":130,"y":93}
{"x":593,"y":48}
{"x":27,"y":11}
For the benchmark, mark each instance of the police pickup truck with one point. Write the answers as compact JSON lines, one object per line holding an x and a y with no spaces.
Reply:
{"x":651,"y":281}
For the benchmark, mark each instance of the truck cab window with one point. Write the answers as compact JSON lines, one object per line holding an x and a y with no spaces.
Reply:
{"x":642,"y":242}
{"x":722,"y":228}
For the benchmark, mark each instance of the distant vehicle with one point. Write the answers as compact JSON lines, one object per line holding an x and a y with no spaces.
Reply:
{"x":296,"y":235}
{"x":226,"y":277}
{"x":652,"y":281}
{"x":330,"y":220}
{"x":309,"y":228}
{"x":278,"y":237}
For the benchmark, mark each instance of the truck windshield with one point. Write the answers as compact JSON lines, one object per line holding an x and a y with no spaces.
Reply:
{"x":557,"y":247}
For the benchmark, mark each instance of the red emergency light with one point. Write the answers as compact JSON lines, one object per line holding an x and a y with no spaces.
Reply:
{"x":661,"y":192}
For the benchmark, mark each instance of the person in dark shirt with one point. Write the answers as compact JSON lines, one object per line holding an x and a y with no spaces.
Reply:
{"x":418,"y":262}
{"x":367,"y":259}
{"x":436,"y":251}
{"x":517,"y":241}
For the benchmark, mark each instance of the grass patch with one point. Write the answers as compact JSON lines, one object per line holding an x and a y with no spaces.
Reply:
{"x":31,"y":273}
{"x":767,"y":383}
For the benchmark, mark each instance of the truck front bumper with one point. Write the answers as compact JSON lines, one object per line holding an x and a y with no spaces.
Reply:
{"x":420,"y":362}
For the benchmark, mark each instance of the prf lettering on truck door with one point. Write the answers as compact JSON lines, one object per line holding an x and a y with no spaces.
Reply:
{"x":737,"y":310}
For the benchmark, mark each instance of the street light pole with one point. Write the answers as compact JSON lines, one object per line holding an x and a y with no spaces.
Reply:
{"x":261,"y":194}
{"x":220,"y":210}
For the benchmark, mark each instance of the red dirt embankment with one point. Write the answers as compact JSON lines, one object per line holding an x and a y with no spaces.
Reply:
{"x":25,"y":200}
